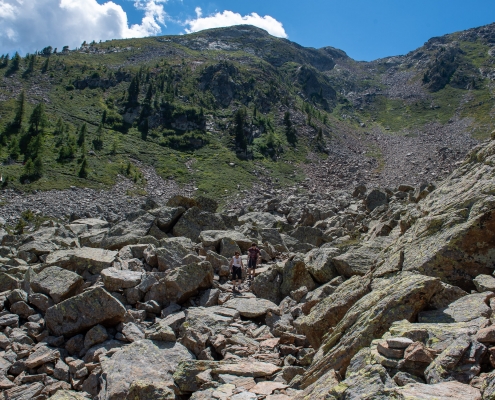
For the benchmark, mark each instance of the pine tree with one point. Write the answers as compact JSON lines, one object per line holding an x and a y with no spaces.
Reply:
{"x":16,"y":62}
{"x":37,"y":120}
{"x":46,"y":65}
{"x":59,"y":128}
{"x":82,"y":135}
{"x":240,"y":137}
{"x":98,"y":141}
{"x":83,"y":171}
{"x":19,"y":114}
{"x":29,"y":168}
{"x":133,"y":92}
{"x":38,"y":166}
{"x":31,"y":63}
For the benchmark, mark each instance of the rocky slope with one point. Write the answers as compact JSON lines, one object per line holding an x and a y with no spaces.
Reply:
{"x":369,"y":294}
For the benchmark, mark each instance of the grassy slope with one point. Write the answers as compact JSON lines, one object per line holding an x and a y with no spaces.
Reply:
{"x":211,"y":169}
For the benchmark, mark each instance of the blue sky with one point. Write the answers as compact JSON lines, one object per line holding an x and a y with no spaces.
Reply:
{"x":365,"y":29}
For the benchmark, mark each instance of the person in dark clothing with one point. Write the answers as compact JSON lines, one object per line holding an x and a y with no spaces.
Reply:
{"x":253,"y":254}
{"x":236,"y":267}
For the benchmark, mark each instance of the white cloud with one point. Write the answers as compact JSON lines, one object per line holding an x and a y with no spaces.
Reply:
{"x":229,"y":18}
{"x":29,"y":25}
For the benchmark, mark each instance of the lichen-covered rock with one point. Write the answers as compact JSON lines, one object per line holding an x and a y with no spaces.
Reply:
{"x":81,"y":312}
{"x":116,"y":279}
{"x":149,"y":390}
{"x":484,"y":283}
{"x":213,"y":238}
{"x":183,"y":282}
{"x":68,"y":395}
{"x":369,"y":318}
{"x":295,"y":275}
{"x":58,"y":283}
{"x":129,"y":231}
{"x":194,"y":221}
{"x":329,"y":312}
{"x":251,"y":307}
{"x":185,"y":375}
{"x":267,"y":285}
{"x":319,"y":263}
{"x":154,"y":362}
{"x":167,"y":217}
{"x":440,"y":391}
{"x":82,"y":259}
{"x":450,"y":235}
{"x":460,"y":361}
{"x":464,"y":309}
{"x":356,"y":261}
{"x":8,"y":282}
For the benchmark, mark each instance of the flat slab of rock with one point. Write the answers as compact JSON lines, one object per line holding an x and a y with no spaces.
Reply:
{"x":185,"y":375}
{"x":251,"y":307}
{"x":440,"y":391}
{"x":85,"y":258}
{"x":154,"y":362}
{"x":399,"y":342}
{"x":484,"y":283}
{"x":115,"y":279}
{"x":464,"y":309}
{"x":42,"y":355}
{"x":267,"y":387}
{"x":68,"y":395}
{"x":84,"y":311}
{"x":56,"y":282}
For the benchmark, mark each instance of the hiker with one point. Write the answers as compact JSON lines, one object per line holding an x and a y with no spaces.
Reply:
{"x":253,"y":254}
{"x":236,"y":267}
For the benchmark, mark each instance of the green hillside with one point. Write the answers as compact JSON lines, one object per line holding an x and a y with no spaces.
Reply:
{"x":223,"y":107}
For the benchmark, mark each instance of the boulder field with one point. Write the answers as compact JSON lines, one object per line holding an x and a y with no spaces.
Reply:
{"x":371,"y":294}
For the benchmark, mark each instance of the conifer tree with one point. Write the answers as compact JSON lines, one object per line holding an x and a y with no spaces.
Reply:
{"x":82,"y":135}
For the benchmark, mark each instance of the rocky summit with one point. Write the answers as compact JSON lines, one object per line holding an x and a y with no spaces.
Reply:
{"x":364,"y":294}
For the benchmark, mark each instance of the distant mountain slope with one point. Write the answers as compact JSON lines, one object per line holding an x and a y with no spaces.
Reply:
{"x":227,"y":108}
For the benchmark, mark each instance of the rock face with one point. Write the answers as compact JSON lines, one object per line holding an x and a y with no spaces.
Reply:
{"x":57,"y":283}
{"x":372,"y":314}
{"x":81,"y":312}
{"x":330,"y":311}
{"x":143,"y":360}
{"x":453,"y":240}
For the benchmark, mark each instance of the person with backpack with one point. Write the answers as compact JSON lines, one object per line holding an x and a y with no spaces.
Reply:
{"x":253,"y":254}
{"x":236,"y":267}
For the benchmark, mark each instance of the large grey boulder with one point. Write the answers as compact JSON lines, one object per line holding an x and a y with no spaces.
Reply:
{"x":8,"y":282}
{"x":295,"y":275}
{"x":319,"y":263}
{"x":307,"y":234}
{"x":170,"y":255}
{"x":273,"y":237}
{"x":81,"y":312}
{"x":251,"y":307}
{"x":357,"y":260}
{"x":185,"y":281}
{"x":167,"y":217}
{"x":82,"y":259}
{"x":154,"y":362}
{"x":375,"y":198}
{"x":56,"y":282}
{"x":260,"y":219}
{"x":129,"y":231}
{"x":267,"y":285}
{"x":460,"y":361}
{"x":115,"y":279}
{"x":194,"y":221}
{"x":464,"y":309}
{"x":213,"y":238}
